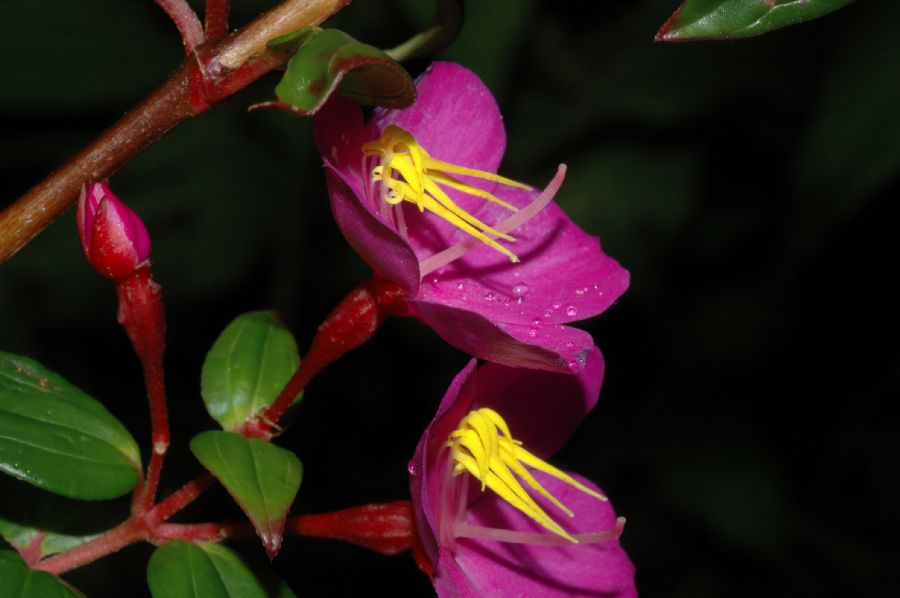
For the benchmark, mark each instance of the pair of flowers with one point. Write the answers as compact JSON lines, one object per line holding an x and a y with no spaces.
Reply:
{"x":497,"y":269}
{"x":502,"y":292}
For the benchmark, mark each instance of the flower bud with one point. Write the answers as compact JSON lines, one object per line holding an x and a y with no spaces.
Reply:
{"x":114,"y":239}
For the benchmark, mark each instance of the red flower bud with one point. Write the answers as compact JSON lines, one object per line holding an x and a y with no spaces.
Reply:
{"x":114,"y":239}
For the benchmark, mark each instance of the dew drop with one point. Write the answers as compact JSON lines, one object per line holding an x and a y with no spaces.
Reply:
{"x":573,"y":365}
{"x":557,"y":305}
{"x":548,"y":313}
{"x":460,"y":286}
{"x":507,"y":301}
{"x":532,"y":332}
{"x":488,"y":296}
{"x":519,"y":289}
{"x":520,"y":300}
{"x":570,"y":344}
{"x":434,"y":280}
{"x":411,"y":467}
{"x":536,"y":322}
{"x":571,"y":311}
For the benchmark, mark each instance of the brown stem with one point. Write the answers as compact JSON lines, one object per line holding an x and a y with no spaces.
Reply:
{"x":156,"y":115}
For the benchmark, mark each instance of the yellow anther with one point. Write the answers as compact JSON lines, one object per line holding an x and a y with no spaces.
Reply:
{"x":483,"y":446}
{"x":408,"y":173}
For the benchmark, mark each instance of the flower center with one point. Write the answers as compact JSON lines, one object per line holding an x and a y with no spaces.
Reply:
{"x":483,"y":446}
{"x":408,"y":173}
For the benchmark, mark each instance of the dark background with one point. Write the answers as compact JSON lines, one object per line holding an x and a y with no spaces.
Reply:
{"x":750,"y":187}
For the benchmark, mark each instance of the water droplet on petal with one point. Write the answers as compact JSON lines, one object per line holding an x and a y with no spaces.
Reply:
{"x":574,"y":365}
{"x":411,"y":467}
{"x":557,"y":305}
{"x":570,"y":344}
{"x":571,"y":311}
{"x":532,"y":332}
{"x":520,"y":300}
{"x":520,"y":289}
{"x":506,"y":301}
{"x":536,"y":322}
{"x":460,"y":285}
{"x":548,"y":313}
{"x":488,"y":296}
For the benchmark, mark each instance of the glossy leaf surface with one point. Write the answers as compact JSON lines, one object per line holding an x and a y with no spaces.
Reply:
{"x":247,"y":367}
{"x":17,"y":580}
{"x":726,"y":19}
{"x":326,"y":60}
{"x":182,"y":569}
{"x":260,"y":476}
{"x":56,"y":437}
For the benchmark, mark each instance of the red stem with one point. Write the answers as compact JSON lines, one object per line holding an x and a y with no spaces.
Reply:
{"x":185,"y":20}
{"x":114,"y":540}
{"x":216,"y":19}
{"x":179,"y":499}
{"x":349,"y":325}
{"x":142,"y":314}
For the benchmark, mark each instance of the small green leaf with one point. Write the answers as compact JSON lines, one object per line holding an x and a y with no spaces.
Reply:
{"x":728,"y":19}
{"x":181,"y":569}
{"x":260,"y":476}
{"x":17,"y":580}
{"x":56,"y":437}
{"x":247,"y":367}
{"x":327,"y":60}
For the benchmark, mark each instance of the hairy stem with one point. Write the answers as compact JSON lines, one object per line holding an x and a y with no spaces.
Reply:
{"x":353,"y":322}
{"x":185,"y":20}
{"x":165,"y":108}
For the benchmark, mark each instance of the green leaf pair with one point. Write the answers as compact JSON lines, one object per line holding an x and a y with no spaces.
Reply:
{"x":244,"y":372}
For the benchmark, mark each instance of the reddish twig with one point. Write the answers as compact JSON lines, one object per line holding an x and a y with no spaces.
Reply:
{"x":179,"y":499}
{"x":185,"y":20}
{"x":244,"y":50}
{"x":356,"y":318}
{"x":114,"y":540}
{"x":216,"y":19}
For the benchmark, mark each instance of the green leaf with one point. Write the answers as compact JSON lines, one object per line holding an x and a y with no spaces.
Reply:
{"x":181,"y":569}
{"x":260,"y":476}
{"x":327,"y":60}
{"x":56,"y":437}
{"x":247,"y":368}
{"x":17,"y":580}
{"x":728,"y":19}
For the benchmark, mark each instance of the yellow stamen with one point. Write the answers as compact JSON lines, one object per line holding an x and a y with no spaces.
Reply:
{"x":483,"y":446}
{"x":408,"y":173}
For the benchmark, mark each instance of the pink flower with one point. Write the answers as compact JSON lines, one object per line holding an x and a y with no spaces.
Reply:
{"x":501,"y":285}
{"x":114,"y":239}
{"x":478,"y":542}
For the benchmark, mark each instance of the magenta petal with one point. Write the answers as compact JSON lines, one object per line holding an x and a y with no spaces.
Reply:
{"x":489,"y":568}
{"x":338,"y":129}
{"x":382,"y":248}
{"x":543,"y":409}
{"x":454,"y":117}
{"x":554,"y":348}
{"x":422,"y":480}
